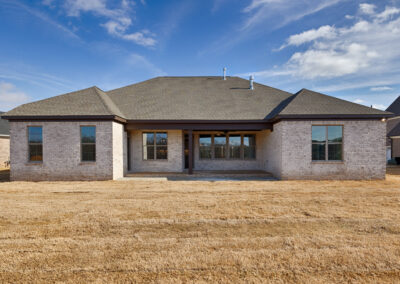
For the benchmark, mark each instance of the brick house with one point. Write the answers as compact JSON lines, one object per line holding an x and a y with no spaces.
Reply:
{"x":393,"y":131}
{"x":186,"y":124}
{"x":4,"y":142}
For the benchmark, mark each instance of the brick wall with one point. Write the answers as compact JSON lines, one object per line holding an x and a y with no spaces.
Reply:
{"x":4,"y":150}
{"x":174,"y":163}
{"x":62,"y":152}
{"x":364,"y":151}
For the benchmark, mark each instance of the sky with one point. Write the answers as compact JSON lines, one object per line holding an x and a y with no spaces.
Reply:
{"x":344,"y":48}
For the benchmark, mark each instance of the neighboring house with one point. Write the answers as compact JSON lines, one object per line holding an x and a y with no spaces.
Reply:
{"x":4,"y":142}
{"x":178,"y":124}
{"x":393,"y":131}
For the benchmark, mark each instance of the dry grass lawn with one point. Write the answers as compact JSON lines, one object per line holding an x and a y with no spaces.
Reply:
{"x":182,"y":231}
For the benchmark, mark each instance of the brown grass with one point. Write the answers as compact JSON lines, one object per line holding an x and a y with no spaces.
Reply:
{"x":252,"y":231}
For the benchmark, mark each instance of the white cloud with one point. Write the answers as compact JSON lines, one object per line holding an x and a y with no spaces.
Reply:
{"x":379,"y":106}
{"x":388,"y":13}
{"x":365,"y":53}
{"x":341,"y":61}
{"x":119,"y":20}
{"x":311,"y":35}
{"x":369,"y":104}
{"x":282,"y":12}
{"x":263,"y":16}
{"x":118,"y":29}
{"x":379,"y":89}
{"x":10,"y":97}
{"x":368,"y":9}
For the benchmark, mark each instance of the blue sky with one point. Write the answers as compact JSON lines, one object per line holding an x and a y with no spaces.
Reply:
{"x":346,"y":48}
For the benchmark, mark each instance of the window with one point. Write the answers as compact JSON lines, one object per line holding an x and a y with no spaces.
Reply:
{"x":155,"y":146}
{"x":219,"y":146}
{"x":88,"y":143}
{"x":205,"y":147}
{"x":35,"y":143}
{"x":231,"y":146}
{"x":235,"y":142}
{"x":327,"y":143}
{"x":249,"y":146}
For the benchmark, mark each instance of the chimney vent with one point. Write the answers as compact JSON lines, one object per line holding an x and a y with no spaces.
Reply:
{"x":224,"y":73}
{"x":251,"y":82}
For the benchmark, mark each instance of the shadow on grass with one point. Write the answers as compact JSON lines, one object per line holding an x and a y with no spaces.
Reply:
{"x":393,"y":170}
{"x":4,"y":175}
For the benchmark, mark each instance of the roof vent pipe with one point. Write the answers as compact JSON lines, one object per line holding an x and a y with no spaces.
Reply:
{"x":224,"y":73}
{"x":251,"y":82}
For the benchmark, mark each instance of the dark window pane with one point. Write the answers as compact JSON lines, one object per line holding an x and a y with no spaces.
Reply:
{"x":318,"y":152}
{"x":35,"y":134}
{"x":148,"y":139}
{"x":249,"y":152}
{"x":234,"y":146}
{"x":234,"y":140}
{"x":249,"y":146}
{"x":234,"y":152}
{"x":318,"y":134}
{"x":148,"y":153}
{"x":205,"y":140}
{"x":161,"y":152}
{"x":161,"y":139}
{"x":219,"y":146}
{"x":88,"y":152}
{"x":36,"y":153}
{"x":219,"y":152}
{"x":88,"y":134}
{"x":205,"y":152}
{"x":335,"y":133}
{"x":335,"y":152}
{"x":249,"y":140}
{"x":219,"y":140}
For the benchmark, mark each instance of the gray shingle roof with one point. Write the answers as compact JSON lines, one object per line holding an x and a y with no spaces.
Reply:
{"x":307,"y":102}
{"x":393,"y":127}
{"x":197,"y":98}
{"x":4,"y":127}
{"x":192,"y":98}
{"x":90,"y":101}
{"x":395,"y":106}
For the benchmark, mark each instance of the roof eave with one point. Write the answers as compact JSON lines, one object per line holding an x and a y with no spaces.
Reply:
{"x":331,"y":116}
{"x":63,"y":118}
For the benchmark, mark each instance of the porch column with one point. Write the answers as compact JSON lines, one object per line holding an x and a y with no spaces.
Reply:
{"x":190,"y":133}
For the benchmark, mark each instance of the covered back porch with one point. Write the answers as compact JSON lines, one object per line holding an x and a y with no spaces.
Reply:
{"x":197,"y":147}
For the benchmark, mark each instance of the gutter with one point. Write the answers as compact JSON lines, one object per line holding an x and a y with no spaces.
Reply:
{"x":332,"y":117}
{"x":64,"y":118}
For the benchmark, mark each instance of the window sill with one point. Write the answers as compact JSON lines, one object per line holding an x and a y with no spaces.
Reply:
{"x":87,"y":163}
{"x":159,"y":160}
{"x":327,"y":162}
{"x":225,"y":159}
{"x":34,"y":164}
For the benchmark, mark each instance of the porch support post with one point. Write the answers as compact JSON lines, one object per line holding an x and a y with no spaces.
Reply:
{"x":190,"y":133}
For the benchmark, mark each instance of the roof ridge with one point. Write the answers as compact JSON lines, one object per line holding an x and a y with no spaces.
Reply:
{"x":100,"y":93}
{"x":289,"y":100}
{"x":393,"y":105}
